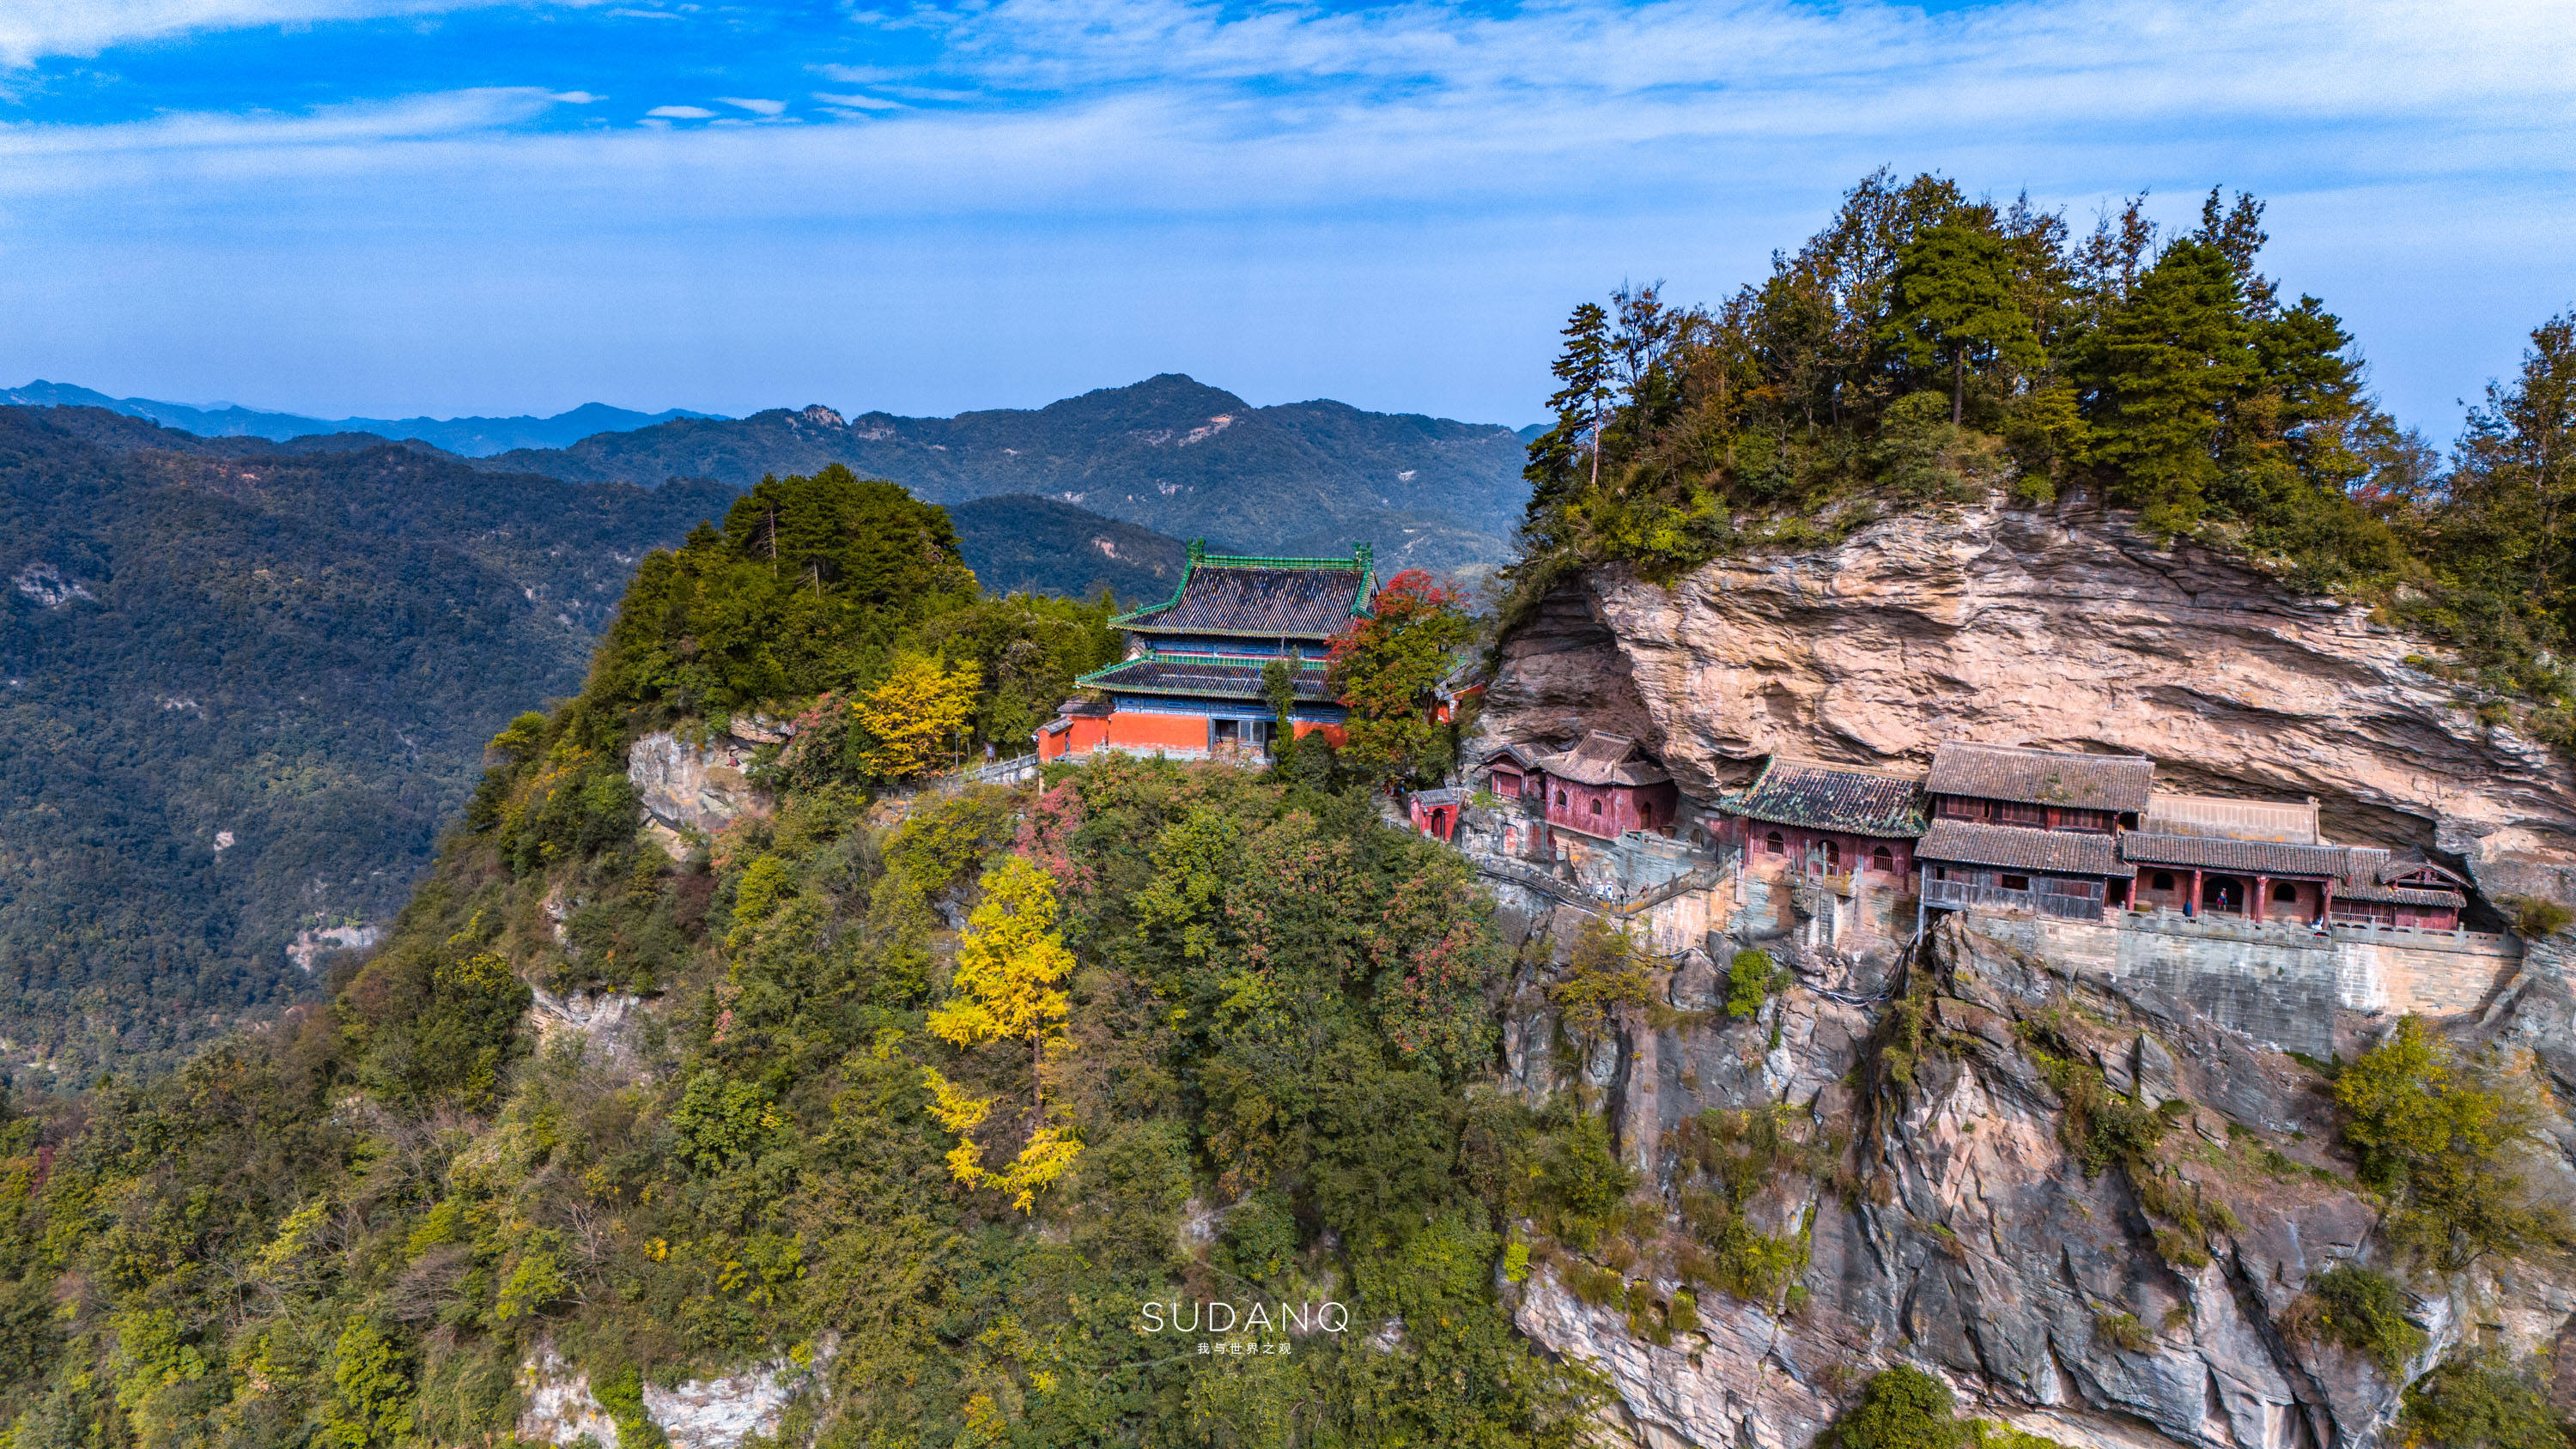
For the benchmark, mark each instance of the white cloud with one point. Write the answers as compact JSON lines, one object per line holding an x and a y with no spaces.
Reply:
{"x":859,"y":103}
{"x":679,"y":113}
{"x":576,"y":98}
{"x":755,"y":106}
{"x":32,"y":29}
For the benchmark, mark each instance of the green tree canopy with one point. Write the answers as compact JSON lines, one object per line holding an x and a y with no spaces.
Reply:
{"x":1955,"y":306}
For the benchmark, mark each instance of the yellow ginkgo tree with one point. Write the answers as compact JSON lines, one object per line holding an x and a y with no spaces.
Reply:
{"x":1011,"y":964}
{"x":915,"y":713}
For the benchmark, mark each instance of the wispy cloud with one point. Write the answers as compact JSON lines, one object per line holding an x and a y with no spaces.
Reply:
{"x":756,"y":106}
{"x":33,"y":29}
{"x":679,"y":113}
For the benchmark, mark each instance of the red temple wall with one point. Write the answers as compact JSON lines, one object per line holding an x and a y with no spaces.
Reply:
{"x":1622,"y":807}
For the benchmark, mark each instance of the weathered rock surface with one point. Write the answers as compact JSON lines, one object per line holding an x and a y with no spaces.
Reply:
{"x":690,"y":788}
{"x":2064,"y":631}
{"x":609,"y":1029}
{"x":714,"y":1413}
{"x":1970,"y":1238}
{"x":311,"y":945}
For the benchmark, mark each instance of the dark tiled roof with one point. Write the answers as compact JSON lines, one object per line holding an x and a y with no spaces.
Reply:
{"x":2260,"y":857}
{"x":2042,"y":777}
{"x":2400,"y":895}
{"x":1446,"y":795}
{"x":1603,"y":759}
{"x":2372,"y":876}
{"x":1820,"y":796}
{"x":2063,"y":852}
{"x":1199,"y":674}
{"x":2410,"y":864}
{"x":1508,"y":754}
{"x":1270,"y":597}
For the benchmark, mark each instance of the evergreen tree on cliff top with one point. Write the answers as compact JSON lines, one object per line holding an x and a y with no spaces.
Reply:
{"x":1954,"y":301}
{"x":2169,"y":380}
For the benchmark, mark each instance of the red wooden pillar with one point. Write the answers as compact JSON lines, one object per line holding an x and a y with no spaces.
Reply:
{"x":2325,"y":903}
{"x":2196,"y":904}
{"x":2262,"y":888}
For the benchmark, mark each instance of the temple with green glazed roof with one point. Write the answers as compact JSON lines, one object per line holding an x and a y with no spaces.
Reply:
{"x":1191,"y":682}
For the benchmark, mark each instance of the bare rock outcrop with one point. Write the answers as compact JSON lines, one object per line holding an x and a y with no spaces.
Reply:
{"x":710,"y":1413}
{"x":2066,"y":630}
{"x":693,"y":787}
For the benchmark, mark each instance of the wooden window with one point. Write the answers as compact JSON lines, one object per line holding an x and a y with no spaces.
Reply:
{"x":2007,"y":813}
{"x":1772,"y":844}
{"x":2016,"y":882}
{"x":1833,"y":856}
{"x":1940,"y":872}
{"x":1560,"y":797}
{"x":1881,"y":860}
{"x":1596,"y":807}
{"x":2164,"y":880}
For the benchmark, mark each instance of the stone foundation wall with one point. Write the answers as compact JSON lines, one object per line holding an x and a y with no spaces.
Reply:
{"x":2279,"y":985}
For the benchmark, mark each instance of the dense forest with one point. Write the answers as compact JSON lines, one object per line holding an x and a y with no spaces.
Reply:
{"x":247,"y":686}
{"x":923,"y":1103}
{"x":1929,"y":350}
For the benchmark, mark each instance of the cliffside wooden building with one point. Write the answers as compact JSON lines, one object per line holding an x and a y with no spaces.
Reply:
{"x":1826,"y":819}
{"x":1191,"y":683}
{"x":2030,"y":829}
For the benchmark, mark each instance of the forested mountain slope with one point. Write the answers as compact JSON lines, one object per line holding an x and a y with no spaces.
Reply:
{"x":245,"y":689}
{"x":1019,"y":543}
{"x":1170,"y":453}
{"x":916,"y":1101}
{"x":248,"y":683}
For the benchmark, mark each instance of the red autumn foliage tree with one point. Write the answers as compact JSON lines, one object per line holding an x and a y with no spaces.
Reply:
{"x":1386,"y":668}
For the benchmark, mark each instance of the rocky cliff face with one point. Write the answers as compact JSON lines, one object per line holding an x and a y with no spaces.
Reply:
{"x":2064,"y":631}
{"x":1963,"y":1231}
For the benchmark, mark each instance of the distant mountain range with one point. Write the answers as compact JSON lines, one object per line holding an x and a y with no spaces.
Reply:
{"x":244,"y":681}
{"x":1170,"y":453}
{"x":467,"y":437}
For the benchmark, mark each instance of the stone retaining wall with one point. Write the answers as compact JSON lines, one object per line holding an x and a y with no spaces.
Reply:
{"x":2280,"y":985}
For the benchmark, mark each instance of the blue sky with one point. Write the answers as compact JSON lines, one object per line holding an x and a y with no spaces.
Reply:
{"x":389,"y":207}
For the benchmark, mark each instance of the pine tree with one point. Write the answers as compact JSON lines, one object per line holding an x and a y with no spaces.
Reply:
{"x":1581,"y":401}
{"x":2164,"y":369}
{"x":1953,"y":299}
{"x":2513,"y":483}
